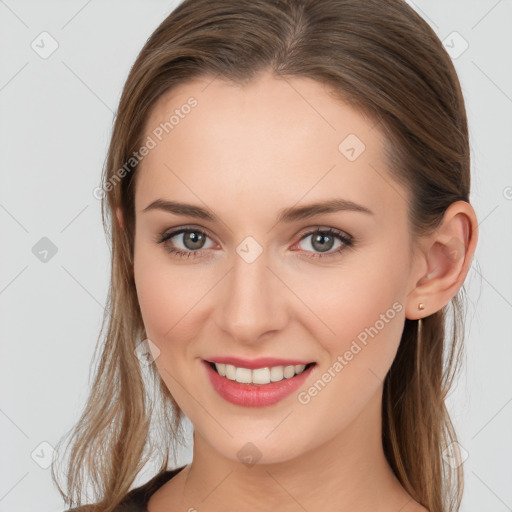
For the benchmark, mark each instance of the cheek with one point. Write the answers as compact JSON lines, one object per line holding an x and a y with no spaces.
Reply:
{"x":359,"y":304}
{"x":359,"y":322}
{"x":166,"y":294}
{"x":169,"y":300}
{"x":175,"y":300}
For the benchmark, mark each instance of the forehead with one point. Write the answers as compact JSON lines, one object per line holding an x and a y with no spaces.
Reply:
{"x":272,"y":140}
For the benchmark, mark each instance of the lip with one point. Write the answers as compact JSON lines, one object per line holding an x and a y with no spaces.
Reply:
{"x":255,"y":395}
{"x":260,"y":362}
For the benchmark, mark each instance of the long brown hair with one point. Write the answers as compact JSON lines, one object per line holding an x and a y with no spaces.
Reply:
{"x":385,"y":60}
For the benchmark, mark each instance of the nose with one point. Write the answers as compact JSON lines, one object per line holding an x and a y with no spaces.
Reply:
{"x":252,"y":301}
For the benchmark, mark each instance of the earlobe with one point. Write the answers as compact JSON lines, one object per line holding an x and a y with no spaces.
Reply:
{"x":448,"y":255}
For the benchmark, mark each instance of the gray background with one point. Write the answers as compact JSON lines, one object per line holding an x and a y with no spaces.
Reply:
{"x":56,"y":117}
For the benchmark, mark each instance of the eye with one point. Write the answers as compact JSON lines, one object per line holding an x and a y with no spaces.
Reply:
{"x":323,"y":241}
{"x":193,"y":240}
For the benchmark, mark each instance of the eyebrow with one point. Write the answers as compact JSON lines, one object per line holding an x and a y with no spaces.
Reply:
{"x":287,"y":215}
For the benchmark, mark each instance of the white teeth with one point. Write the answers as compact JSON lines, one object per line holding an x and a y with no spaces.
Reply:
{"x":259,"y":375}
{"x":230,"y":371}
{"x":243,"y":375}
{"x":289,"y":372}
{"x":276,"y":373}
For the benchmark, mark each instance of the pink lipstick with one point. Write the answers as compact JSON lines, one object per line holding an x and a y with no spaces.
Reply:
{"x":277,"y":379}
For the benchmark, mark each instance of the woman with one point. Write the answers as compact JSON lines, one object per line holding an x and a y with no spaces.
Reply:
{"x":287,"y":192}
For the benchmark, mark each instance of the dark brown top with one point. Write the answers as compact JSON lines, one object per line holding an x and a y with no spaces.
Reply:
{"x":137,"y":499}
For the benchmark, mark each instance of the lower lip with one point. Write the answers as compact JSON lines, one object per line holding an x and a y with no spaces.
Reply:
{"x":255,"y":395}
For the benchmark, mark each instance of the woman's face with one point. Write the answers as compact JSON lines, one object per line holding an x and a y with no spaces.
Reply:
{"x":260,"y":276}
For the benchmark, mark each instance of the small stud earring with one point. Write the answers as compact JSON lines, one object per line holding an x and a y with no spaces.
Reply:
{"x":421,"y":306}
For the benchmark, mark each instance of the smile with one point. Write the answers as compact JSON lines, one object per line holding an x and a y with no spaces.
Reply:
{"x":256,"y":387}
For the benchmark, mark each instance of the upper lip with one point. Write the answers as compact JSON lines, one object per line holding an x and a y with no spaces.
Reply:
{"x":260,"y":362}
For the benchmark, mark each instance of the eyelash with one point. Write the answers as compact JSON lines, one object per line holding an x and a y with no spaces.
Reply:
{"x":348,"y":241}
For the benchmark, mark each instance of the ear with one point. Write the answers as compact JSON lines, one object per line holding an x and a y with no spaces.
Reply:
{"x":119,"y":215}
{"x":443,"y":261}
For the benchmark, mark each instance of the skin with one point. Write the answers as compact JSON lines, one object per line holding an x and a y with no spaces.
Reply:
{"x":245,"y":153}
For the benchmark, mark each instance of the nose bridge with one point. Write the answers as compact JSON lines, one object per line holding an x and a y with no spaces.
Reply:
{"x":251,"y":302}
